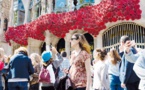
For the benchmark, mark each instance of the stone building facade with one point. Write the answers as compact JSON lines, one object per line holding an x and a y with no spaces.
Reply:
{"x":24,"y":11}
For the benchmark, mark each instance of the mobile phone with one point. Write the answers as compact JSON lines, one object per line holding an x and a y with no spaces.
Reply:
{"x":50,"y":46}
{"x":133,"y":43}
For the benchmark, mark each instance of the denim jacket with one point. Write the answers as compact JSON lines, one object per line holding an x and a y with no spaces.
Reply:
{"x":127,"y":75}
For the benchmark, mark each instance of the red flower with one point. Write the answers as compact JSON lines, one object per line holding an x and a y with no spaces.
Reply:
{"x":91,"y":18}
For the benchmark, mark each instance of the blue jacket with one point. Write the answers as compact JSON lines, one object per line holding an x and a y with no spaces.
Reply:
{"x":127,"y":75}
{"x":20,"y":66}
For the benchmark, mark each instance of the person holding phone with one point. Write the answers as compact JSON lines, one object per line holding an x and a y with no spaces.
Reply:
{"x":139,"y":66}
{"x":129,"y":79}
{"x":54,"y":64}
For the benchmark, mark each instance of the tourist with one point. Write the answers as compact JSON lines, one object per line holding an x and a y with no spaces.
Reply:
{"x":36,"y":62}
{"x":20,"y":68}
{"x":100,"y":80}
{"x":129,"y":80}
{"x":80,"y":61}
{"x":47,"y":63}
{"x":139,"y":66}
{"x":113,"y":62}
{"x":64,"y":65}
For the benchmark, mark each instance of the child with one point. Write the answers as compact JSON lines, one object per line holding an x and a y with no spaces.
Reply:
{"x":100,"y":81}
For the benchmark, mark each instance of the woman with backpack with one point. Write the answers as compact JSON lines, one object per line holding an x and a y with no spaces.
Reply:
{"x":113,"y":62}
{"x":80,"y":61}
{"x":46,"y":75}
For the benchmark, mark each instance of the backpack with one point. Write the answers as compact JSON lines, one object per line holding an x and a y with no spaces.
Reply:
{"x":65,"y":83}
{"x":44,"y":75}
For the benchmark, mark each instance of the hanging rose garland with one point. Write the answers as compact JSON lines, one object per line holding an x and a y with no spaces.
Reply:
{"x":91,"y":19}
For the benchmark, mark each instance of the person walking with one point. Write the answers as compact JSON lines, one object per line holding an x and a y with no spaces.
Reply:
{"x":80,"y":61}
{"x":100,"y":80}
{"x":20,"y":68}
{"x":113,"y":61}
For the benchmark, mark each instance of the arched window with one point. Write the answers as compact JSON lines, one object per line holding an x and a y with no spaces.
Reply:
{"x":53,"y":3}
{"x":61,"y":45}
{"x":75,"y":4}
{"x":38,"y":9}
{"x":111,"y":37}
{"x":60,"y":6}
{"x":90,"y":40}
{"x":5,"y":24}
{"x":43,"y":47}
{"x":84,"y":3}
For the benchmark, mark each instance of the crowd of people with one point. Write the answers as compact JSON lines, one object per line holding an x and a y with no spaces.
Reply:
{"x":113,"y":70}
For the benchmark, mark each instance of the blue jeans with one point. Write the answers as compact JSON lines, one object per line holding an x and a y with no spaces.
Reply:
{"x":1,"y":88}
{"x":115,"y":83}
{"x":18,"y":85}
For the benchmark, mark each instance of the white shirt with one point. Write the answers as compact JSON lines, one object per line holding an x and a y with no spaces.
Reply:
{"x":100,"y":80}
{"x":113,"y":69}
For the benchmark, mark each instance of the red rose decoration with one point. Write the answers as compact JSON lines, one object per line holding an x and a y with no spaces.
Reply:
{"x":91,"y":18}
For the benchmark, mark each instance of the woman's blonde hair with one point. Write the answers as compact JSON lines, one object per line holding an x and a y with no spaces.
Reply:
{"x":21,"y":49}
{"x":100,"y":54}
{"x":114,"y":56}
{"x":1,"y":52}
{"x":8,"y":59}
{"x":35,"y":58}
{"x":83,"y":42}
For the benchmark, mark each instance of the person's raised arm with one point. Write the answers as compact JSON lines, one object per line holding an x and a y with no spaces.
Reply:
{"x":58,"y":59}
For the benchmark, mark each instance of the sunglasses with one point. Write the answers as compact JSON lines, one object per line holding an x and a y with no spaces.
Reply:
{"x":74,"y":38}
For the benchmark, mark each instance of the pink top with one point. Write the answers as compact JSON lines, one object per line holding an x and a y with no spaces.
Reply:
{"x":78,"y":71}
